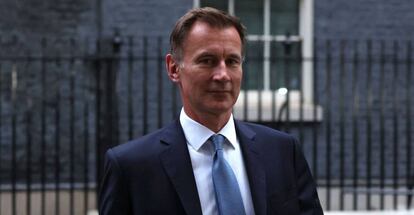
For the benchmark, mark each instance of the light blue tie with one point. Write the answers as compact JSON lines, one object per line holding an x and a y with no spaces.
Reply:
{"x":228,"y":197}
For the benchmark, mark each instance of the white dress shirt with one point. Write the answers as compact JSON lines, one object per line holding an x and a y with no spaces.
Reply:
{"x":201,"y":155}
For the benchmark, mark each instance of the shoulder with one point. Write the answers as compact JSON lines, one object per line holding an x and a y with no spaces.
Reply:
{"x":264,"y":132}
{"x":268,"y":140}
{"x":143,"y":148}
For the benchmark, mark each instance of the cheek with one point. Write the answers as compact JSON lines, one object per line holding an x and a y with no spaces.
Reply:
{"x":237,"y":79}
{"x":191,"y":86}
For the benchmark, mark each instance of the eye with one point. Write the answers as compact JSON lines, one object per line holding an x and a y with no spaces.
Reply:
{"x":233,"y":62}
{"x":207,"y":61}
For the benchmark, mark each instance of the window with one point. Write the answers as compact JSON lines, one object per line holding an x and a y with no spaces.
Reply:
{"x":279,"y":36}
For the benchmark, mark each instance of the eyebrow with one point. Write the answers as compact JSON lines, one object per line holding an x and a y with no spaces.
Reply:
{"x":209,"y":53}
{"x":205,"y":54}
{"x":236,"y":56}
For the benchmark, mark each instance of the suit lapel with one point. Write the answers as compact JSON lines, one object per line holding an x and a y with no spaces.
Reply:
{"x":177,"y":164}
{"x":254,"y":168}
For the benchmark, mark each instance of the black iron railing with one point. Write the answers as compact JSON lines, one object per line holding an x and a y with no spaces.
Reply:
{"x":64,"y":104}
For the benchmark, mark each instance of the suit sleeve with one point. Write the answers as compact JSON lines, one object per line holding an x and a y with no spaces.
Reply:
{"x":113,"y":197}
{"x":307,"y":194}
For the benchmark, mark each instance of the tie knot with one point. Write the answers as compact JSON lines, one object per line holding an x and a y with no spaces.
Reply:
{"x":218,"y":141}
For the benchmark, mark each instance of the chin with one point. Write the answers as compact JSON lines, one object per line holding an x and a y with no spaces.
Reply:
{"x":220,"y":108}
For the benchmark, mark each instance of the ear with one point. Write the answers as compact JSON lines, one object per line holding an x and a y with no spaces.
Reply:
{"x":172,"y":68}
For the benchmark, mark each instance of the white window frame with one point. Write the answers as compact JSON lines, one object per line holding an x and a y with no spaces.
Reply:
{"x":306,"y":110}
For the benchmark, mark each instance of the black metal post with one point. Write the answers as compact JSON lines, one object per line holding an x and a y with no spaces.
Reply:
{"x":409,"y":173}
{"x":382,"y":122}
{"x":369,"y":123}
{"x":328,"y":122}
{"x":342,"y":124}
{"x":130,"y":80}
{"x":395,"y":122}
{"x":355,"y":127}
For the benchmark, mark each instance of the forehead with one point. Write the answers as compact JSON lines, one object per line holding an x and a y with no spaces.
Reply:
{"x":203,"y":37}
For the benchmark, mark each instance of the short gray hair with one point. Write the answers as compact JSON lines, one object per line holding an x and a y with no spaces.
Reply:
{"x":213,"y":17}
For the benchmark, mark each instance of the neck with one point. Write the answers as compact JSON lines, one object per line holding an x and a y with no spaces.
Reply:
{"x":212,"y":121}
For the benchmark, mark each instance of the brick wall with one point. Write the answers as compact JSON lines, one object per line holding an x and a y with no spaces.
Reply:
{"x":23,"y":24}
{"x":364,"y":19}
{"x":22,"y":20}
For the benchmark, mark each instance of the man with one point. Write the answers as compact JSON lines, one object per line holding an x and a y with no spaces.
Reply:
{"x":206,"y":162}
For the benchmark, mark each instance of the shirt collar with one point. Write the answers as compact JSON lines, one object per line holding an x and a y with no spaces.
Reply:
{"x":197,"y":134}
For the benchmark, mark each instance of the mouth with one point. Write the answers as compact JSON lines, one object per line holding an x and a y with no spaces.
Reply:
{"x":219,"y":91}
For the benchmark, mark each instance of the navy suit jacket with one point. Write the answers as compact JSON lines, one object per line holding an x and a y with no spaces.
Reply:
{"x":153,"y":174}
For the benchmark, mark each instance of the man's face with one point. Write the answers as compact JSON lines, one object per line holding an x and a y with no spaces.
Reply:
{"x":210,"y":71}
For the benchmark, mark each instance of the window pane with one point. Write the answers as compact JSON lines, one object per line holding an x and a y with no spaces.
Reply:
{"x":284,"y":17}
{"x":286,"y":59}
{"x":253,"y":66}
{"x":218,"y":4}
{"x":250,"y":13}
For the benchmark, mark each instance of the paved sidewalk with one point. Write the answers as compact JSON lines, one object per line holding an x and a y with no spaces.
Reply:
{"x":411,"y":212}
{"x":402,"y":212}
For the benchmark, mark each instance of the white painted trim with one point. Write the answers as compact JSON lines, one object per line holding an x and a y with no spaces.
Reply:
{"x":266,"y":44}
{"x":277,"y":38}
{"x":231,"y":6}
{"x":277,"y":99}
{"x":306,"y":14}
{"x":196,"y":3}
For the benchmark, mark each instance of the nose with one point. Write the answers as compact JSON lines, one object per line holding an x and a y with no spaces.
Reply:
{"x":221,"y":72}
